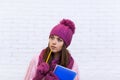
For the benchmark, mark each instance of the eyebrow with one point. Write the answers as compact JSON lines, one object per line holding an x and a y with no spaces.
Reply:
{"x":56,"y":37}
{"x":60,"y":38}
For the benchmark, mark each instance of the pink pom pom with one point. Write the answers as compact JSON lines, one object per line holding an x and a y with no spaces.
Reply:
{"x":69,"y":24}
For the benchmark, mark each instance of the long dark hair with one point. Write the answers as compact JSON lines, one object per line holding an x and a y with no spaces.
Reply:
{"x":64,"y":56}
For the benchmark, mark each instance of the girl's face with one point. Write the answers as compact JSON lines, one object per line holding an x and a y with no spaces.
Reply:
{"x":55,"y":43}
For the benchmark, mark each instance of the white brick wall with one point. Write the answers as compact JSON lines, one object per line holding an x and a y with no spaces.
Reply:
{"x":25,"y":27}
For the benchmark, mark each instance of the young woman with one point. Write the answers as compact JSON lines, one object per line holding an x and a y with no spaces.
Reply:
{"x":41,"y":67}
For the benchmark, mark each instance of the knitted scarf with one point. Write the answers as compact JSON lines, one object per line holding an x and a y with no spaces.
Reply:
{"x":54,"y":61}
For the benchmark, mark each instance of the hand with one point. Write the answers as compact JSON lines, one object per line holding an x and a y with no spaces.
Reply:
{"x":51,"y":76}
{"x":43,"y":68}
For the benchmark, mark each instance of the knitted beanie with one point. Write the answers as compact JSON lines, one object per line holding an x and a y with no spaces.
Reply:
{"x":65,"y":30}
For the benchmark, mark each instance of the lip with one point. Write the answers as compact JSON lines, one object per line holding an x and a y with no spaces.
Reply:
{"x":53,"y":47}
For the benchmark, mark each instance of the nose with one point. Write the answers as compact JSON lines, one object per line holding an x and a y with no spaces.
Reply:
{"x":54,"y":41}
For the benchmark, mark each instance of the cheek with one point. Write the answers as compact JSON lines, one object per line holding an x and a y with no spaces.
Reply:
{"x":49,"y":44}
{"x":61,"y":45}
{"x":49,"y":41}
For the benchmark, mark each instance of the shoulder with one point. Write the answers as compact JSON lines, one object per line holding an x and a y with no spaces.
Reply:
{"x":31,"y":68}
{"x":75,"y":68}
{"x":75,"y":65}
{"x":35,"y":59}
{"x":38,"y":57}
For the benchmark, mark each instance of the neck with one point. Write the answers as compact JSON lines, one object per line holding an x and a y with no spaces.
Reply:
{"x":56,"y":55}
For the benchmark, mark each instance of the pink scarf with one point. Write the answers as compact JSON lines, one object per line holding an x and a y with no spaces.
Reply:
{"x":52,"y":66}
{"x":55,"y":61}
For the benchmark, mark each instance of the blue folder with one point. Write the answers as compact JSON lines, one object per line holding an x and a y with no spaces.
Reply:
{"x":64,"y":73}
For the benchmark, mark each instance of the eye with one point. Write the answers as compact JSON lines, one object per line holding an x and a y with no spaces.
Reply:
{"x":60,"y":40}
{"x":52,"y":37}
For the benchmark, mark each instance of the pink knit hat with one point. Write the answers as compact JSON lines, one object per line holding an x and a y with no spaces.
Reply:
{"x":65,"y":30}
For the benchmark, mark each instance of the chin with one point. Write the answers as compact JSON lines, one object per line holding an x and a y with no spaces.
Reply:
{"x":54,"y":51}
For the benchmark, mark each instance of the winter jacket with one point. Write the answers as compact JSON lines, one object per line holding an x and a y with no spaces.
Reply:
{"x":31,"y":72}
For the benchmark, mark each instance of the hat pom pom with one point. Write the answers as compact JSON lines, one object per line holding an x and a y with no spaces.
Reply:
{"x":69,"y":24}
